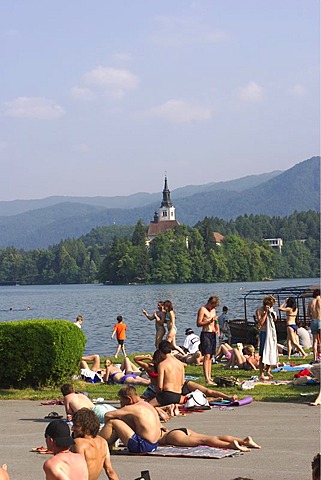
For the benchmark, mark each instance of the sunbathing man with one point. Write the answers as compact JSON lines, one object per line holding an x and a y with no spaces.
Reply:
{"x":91,"y":446}
{"x":184,"y":437}
{"x":136,"y":423}
{"x":75,"y":401}
{"x":134,"y":418}
{"x":64,"y":464}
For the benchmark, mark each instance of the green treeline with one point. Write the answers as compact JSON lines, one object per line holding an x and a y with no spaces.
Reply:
{"x":119,"y":255}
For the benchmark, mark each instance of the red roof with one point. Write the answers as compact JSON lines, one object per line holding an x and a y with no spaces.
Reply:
{"x":155,"y":229}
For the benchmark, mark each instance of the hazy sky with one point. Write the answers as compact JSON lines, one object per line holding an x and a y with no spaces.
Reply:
{"x":103,"y":97}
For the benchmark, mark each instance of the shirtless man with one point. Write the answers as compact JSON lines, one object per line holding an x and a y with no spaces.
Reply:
{"x":92,"y":447}
{"x":314,"y":312}
{"x":64,"y":464}
{"x":75,"y":401}
{"x":183,"y":437}
{"x":171,"y":376}
{"x":136,"y":423}
{"x":208,"y":321}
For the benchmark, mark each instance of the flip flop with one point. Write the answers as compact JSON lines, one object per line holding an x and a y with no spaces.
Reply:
{"x":53,"y":415}
{"x":38,"y":449}
{"x":45,"y":452}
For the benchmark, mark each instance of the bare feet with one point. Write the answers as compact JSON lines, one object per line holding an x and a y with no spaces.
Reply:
{"x":5,"y":467}
{"x":270,"y":376}
{"x":315,"y":404}
{"x":235,"y":444}
{"x":249,"y":442}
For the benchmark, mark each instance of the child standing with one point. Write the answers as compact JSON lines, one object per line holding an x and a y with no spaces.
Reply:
{"x":120,"y":330}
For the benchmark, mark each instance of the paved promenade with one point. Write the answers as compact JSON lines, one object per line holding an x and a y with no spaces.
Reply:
{"x":288,"y":433}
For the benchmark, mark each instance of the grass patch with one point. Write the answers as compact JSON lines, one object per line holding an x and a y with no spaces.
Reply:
{"x":263,"y":393}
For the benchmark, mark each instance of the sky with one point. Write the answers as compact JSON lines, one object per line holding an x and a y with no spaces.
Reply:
{"x":104,"y":98}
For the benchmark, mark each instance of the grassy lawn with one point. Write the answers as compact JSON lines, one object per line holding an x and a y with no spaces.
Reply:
{"x":264,"y":393}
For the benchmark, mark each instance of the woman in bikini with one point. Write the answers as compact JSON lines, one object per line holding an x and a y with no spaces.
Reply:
{"x":127,"y":373}
{"x":159,"y":324}
{"x":246,"y":359}
{"x":289,"y":306}
{"x":169,"y":319}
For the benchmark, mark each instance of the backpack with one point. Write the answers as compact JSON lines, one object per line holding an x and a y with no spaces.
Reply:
{"x":226,"y":381}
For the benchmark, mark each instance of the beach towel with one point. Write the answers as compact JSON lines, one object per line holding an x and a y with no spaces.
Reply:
{"x":236,"y":403}
{"x":270,"y":353}
{"x":192,"y":452}
{"x":291,"y":368}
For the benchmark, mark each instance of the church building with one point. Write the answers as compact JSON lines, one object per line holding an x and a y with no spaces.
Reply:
{"x":164,"y":219}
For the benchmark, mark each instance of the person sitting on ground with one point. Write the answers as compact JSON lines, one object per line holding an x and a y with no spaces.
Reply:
{"x":224,"y":350}
{"x":75,"y":401}
{"x":192,"y":341}
{"x":4,"y":475}
{"x":304,"y":336}
{"x":91,"y":446}
{"x":116,"y":374}
{"x":246,"y":359}
{"x":136,"y":423}
{"x":184,"y":437}
{"x":64,"y":464}
{"x":316,"y":373}
{"x":171,"y":373}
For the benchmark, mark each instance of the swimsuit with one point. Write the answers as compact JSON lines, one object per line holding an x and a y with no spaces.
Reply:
{"x":167,"y":397}
{"x":262,"y":342}
{"x":208,"y":343}
{"x":112,"y":375}
{"x":129,"y":375}
{"x":185,"y":388}
{"x":137,"y":444}
{"x":183,"y":429}
{"x":293,"y":326}
{"x":315,"y":326}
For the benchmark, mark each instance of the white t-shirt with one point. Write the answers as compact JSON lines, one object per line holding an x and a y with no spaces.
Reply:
{"x":304,"y":337}
{"x":192,"y":342}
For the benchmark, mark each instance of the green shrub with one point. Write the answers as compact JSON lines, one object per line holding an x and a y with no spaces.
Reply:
{"x":39,"y":353}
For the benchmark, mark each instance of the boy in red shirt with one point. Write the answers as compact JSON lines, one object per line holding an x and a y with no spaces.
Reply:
{"x":120,"y":330}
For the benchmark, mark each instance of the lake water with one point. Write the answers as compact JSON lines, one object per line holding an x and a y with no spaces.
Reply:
{"x":100,"y":306}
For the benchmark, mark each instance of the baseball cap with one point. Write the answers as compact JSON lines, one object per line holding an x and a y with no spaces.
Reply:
{"x":188,"y":331}
{"x":59,"y":431}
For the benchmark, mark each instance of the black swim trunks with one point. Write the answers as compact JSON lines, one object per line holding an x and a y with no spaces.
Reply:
{"x":208,"y":343}
{"x":166,"y":398}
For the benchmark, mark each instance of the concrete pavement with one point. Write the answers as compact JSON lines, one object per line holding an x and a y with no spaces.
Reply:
{"x":288,"y":433}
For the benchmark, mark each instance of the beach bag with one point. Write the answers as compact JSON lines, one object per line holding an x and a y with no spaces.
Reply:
{"x":226,"y":381}
{"x":196,"y":399}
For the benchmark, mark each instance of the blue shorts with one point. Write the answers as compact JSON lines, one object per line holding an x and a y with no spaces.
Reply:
{"x":315,"y":326}
{"x":208,"y":343}
{"x":293,"y":326}
{"x":137,"y":444}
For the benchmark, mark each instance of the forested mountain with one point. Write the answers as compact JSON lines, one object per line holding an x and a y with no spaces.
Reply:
{"x":297,"y":189}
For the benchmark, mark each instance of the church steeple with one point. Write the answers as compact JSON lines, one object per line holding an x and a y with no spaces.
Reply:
{"x":166,"y":211}
{"x":167,"y":202}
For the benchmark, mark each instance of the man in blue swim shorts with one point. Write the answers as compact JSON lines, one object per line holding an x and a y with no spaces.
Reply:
{"x":136,"y":423}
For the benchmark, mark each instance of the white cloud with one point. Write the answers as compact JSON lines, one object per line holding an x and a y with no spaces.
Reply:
{"x":115,"y":82}
{"x":33,"y":107}
{"x":251,"y":93}
{"x":298,"y":91}
{"x":82,"y":93}
{"x":179,"y":111}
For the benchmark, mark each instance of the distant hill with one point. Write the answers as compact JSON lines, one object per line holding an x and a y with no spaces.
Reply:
{"x":274,"y":194}
{"x":14,"y":207}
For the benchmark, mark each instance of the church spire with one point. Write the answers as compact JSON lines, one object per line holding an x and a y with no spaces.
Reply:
{"x":166,"y":210}
{"x":167,"y":202}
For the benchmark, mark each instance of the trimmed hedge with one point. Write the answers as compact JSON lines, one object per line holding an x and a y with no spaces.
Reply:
{"x":38,"y":353}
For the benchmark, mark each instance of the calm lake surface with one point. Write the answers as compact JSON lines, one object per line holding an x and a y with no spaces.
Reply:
{"x":100,"y":306}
